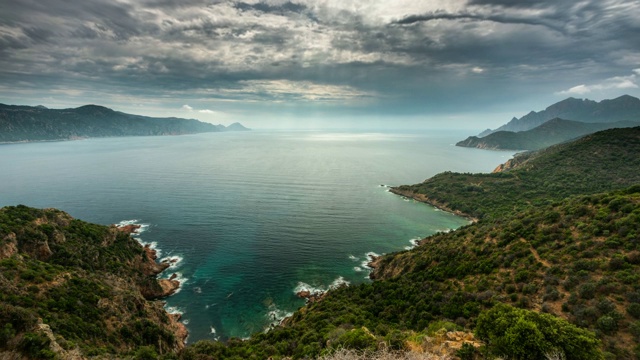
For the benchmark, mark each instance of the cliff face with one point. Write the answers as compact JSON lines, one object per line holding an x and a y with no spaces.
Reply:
{"x":84,"y":288}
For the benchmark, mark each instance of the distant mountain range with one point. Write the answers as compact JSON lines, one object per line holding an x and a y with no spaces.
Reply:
{"x":565,"y":120}
{"x":38,"y":123}
{"x":549,"y":133}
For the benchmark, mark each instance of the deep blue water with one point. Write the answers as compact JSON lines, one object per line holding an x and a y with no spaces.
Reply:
{"x":251,"y":216}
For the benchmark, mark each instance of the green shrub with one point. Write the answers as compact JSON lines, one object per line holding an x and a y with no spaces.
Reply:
{"x":146,"y":353}
{"x":36,"y":346}
{"x":435,"y":326}
{"x":634,"y":310}
{"x":6,"y":333}
{"x":523,"y":334}
{"x":608,"y":324}
{"x":359,"y":339}
{"x":466,"y":352}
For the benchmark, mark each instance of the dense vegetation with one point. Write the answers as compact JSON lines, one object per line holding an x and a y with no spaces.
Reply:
{"x":84,"y":281}
{"x":598,"y":162}
{"x":550,"y":133}
{"x":26,"y":123}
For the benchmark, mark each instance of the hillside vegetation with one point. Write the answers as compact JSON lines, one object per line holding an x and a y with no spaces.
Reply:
{"x":71,"y":289}
{"x":599,"y":162}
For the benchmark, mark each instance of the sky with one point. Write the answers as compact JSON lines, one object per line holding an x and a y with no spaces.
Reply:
{"x":308,"y":64}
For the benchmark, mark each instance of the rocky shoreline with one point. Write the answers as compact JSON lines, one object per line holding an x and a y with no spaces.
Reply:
{"x":165,"y":288}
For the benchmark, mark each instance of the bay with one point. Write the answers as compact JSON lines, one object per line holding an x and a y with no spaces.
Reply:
{"x":251,"y":217}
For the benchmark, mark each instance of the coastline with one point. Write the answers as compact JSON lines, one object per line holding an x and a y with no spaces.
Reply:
{"x":425,"y":199}
{"x":151,"y":267}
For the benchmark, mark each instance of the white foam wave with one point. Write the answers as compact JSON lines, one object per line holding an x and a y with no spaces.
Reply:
{"x":173,"y":310}
{"x":276,"y":316}
{"x":141,"y":227}
{"x":372,"y":255}
{"x":353,"y":258}
{"x":126,"y":222}
{"x":340,"y":281}
{"x":357,"y":269}
{"x":319,"y":290}
{"x":369,"y":257}
{"x":414,"y":242}
{"x":302,"y":286}
{"x":174,"y":261}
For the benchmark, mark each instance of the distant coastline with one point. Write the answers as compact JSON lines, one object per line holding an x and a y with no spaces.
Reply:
{"x":30,"y":124}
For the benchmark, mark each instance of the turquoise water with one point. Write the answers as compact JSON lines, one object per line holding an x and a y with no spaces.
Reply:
{"x":250,"y":217}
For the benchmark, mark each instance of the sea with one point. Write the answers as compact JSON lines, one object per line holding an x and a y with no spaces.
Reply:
{"x":248,"y":219}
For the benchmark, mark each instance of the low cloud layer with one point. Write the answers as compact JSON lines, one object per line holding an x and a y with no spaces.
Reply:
{"x":358,"y":57}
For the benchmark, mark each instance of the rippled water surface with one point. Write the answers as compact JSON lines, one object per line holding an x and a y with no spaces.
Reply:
{"x":251,"y":217}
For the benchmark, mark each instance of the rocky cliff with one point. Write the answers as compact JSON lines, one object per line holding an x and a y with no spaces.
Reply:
{"x":73,"y":290}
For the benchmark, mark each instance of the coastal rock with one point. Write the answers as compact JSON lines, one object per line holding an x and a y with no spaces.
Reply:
{"x":169,"y":287}
{"x":311,"y":297}
{"x":375,"y":261}
{"x":129,"y":229}
{"x":149,"y":265}
{"x":179,"y":330}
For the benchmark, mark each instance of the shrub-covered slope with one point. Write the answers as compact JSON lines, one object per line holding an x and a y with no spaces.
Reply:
{"x":599,"y":162}
{"x":77,"y":287}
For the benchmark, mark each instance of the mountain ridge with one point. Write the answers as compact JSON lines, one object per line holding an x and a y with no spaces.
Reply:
{"x":552,"y":132}
{"x":622,"y":108}
{"x":20,"y":123}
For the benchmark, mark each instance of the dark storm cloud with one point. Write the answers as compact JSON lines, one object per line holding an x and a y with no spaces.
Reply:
{"x":478,"y":17}
{"x":401,"y":53}
{"x":267,"y":8}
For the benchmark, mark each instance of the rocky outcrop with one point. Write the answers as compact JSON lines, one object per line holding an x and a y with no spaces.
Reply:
{"x":73,"y":354}
{"x":169,"y":286}
{"x":149,"y":265}
{"x":9,"y":246}
{"x":129,"y":229}
{"x":310,"y":296}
